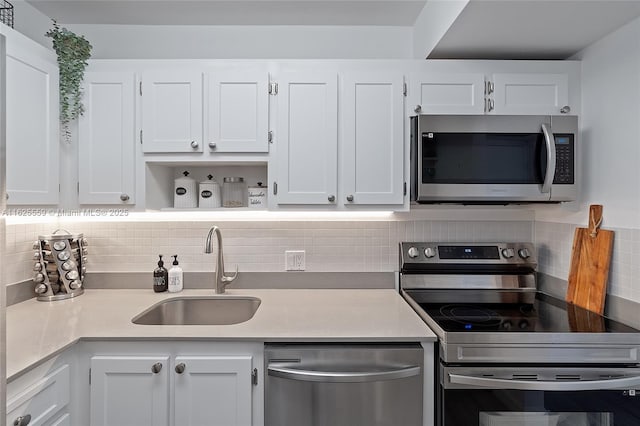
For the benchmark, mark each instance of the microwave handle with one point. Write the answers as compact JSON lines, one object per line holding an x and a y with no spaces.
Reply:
{"x":551,"y":159}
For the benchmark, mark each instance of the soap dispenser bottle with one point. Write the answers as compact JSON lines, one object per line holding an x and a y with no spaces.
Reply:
{"x":160,"y":277}
{"x":175,"y":276}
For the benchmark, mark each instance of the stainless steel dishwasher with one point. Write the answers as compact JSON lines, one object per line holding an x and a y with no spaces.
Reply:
{"x":343,"y":385}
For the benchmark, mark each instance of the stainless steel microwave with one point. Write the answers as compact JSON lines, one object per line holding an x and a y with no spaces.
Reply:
{"x":491,"y":159}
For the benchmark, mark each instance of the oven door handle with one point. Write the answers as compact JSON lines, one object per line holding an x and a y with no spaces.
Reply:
{"x":629,"y":382}
{"x":342,"y":376}
{"x":551,"y":159}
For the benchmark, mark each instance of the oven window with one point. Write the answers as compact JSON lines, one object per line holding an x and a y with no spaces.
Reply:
{"x":480,"y":407}
{"x":483,"y":158}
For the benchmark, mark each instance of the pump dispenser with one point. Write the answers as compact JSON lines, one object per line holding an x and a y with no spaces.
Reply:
{"x":175,"y":276}
{"x":160,"y":277}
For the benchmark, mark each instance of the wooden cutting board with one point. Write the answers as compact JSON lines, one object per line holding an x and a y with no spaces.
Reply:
{"x":590,"y":260}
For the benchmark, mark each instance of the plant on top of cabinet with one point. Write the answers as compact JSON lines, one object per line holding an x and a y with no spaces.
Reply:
{"x":73,"y":52}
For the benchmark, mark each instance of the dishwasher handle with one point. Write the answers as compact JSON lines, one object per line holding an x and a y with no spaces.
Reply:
{"x":393,"y":373}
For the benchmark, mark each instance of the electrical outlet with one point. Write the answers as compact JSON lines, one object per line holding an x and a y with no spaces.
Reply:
{"x":294,"y":260}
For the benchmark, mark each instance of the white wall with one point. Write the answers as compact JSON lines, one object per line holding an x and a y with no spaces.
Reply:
{"x":31,"y":22}
{"x":256,"y":42}
{"x":610,"y":123}
{"x":432,"y":23}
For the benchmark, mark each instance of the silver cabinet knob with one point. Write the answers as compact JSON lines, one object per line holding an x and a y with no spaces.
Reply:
{"x":124,"y":197}
{"x":194,"y":144}
{"x":180,"y":368}
{"x":22,"y":420}
{"x":350,"y":198}
{"x":212,"y":145}
{"x":418,"y":108}
{"x":565,"y":109}
{"x":331,"y":198}
{"x":155,"y":368}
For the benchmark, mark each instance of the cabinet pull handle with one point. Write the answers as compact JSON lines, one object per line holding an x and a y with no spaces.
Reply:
{"x":350,"y":198}
{"x":180,"y":368}
{"x":22,"y":420}
{"x":212,"y":145}
{"x":565,"y":109}
{"x":418,"y":109}
{"x":155,"y":368}
{"x":194,"y":144}
{"x":331,"y":198}
{"x":124,"y":197}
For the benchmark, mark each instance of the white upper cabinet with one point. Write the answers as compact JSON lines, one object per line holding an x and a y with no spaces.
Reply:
{"x":171,"y":111}
{"x":130,"y":390}
{"x":237,"y":119}
{"x":497,"y":93}
{"x":107,"y":139}
{"x":446,"y":93}
{"x":32,"y":122}
{"x":307,"y":138}
{"x":529,"y":93}
{"x":213,"y":390}
{"x":372,"y":144}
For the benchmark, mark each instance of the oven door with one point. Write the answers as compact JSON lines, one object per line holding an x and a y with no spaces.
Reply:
{"x":538,"y":396}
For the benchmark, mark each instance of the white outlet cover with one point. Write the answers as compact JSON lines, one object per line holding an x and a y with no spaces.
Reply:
{"x":294,"y":260}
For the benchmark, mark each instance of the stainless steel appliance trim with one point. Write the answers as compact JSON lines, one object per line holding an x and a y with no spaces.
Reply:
{"x":530,"y":262}
{"x":447,"y":281}
{"x":551,"y":159}
{"x":340,"y":376}
{"x":541,"y":379}
{"x":552,"y":348}
{"x":578,"y":385}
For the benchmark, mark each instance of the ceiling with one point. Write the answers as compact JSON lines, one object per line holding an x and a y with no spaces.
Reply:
{"x":232,"y":12}
{"x":531,"y":29}
{"x":486,"y":29}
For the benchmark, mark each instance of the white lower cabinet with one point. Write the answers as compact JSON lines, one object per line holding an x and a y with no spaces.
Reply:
{"x":213,"y":390}
{"x":210,"y":385}
{"x":129,"y":390}
{"x":38,"y":402}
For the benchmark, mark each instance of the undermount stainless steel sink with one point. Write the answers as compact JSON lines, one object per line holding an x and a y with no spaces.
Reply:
{"x":220,"y":310}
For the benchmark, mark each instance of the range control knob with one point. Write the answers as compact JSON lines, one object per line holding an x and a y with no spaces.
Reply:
{"x":429,"y":252}
{"x":508,"y":253}
{"x":524,"y":253}
{"x":413,"y":252}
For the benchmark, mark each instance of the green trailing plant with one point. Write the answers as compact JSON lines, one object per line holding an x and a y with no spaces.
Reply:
{"x":73,"y":52}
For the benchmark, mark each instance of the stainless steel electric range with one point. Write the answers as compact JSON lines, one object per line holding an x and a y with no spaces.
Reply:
{"x":511,"y":355}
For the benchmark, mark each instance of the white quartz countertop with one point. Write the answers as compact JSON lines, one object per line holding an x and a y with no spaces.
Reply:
{"x":38,"y":330}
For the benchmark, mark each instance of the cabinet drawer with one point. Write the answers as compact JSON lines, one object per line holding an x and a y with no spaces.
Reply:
{"x":41,"y":400}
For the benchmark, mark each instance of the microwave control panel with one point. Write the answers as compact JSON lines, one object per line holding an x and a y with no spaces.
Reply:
{"x":565,"y":155}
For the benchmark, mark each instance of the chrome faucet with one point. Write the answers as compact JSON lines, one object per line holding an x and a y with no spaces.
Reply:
{"x":221,"y":279}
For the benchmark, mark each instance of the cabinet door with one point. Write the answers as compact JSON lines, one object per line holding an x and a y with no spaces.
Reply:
{"x":42,"y":400}
{"x":107,"y":139}
{"x":213,"y":391}
{"x":32,"y":123}
{"x":435,"y":93}
{"x":372,"y":144}
{"x":530,"y":93}
{"x":307,"y":138}
{"x":172,"y":111}
{"x":129,"y":390}
{"x":238,"y":112}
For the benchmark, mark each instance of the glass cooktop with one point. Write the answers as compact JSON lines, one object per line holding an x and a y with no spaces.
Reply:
{"x":511,"y":311}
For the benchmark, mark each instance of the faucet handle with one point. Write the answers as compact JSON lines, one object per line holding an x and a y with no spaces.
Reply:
{"x":229,"y":278}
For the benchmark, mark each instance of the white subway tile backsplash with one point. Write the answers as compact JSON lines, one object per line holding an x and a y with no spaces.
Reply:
{"x":331,"y":245}
{"x":554,"y":243}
